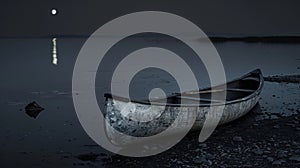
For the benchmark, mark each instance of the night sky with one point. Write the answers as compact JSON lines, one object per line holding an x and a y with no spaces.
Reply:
{"x":32,"y":18}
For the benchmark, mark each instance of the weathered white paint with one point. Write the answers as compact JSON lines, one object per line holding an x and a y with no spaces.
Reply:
{"x":113,"y":120}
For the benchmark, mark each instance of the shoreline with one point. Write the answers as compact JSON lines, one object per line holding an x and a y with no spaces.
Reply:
{"x":219,"y":39}
{"x":283,"y":78}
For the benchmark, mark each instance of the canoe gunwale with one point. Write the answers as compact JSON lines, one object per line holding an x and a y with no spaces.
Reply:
{"x":248,"y":97}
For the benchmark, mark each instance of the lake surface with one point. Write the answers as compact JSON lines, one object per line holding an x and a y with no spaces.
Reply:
{"x":56,"y":136}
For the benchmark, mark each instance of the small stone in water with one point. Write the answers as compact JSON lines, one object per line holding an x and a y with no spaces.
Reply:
{"x":33,"y":109}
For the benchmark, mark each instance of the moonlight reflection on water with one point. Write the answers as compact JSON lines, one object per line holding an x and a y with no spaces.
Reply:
{"x":54,"y":52}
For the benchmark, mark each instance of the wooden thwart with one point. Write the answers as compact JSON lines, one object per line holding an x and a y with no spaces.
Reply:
{"x":200,"y":99}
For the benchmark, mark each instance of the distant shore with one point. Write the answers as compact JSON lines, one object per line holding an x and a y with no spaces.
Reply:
{"x":250,"y":39}
{"x":263,"y":39}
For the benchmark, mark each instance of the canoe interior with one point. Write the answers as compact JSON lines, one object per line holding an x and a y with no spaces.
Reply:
{"x":239,"y":89}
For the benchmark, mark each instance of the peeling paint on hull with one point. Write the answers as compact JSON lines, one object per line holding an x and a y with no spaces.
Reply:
{"x":130,"y":127}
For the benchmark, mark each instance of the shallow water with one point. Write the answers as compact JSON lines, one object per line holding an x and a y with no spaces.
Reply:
{"x":56,"y":136}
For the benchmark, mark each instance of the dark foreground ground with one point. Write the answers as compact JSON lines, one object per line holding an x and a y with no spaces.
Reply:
{"x":243,"y":143}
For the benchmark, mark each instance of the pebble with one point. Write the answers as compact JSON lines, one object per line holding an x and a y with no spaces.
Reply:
{"x":237,"y":139}
{"x":276,"y":126}
{"x":209,"y":163}
{"x":291,"y":125}
{"x":199,"y":160}
{"x":179,"y":162}
{"x":257,"y":151}
{"x":197,"y":150}
{"x":210,"y":156}
{"x":203,"y":145}
{"x":223,"y":154}
{"x":282,"y":154}
{"x":270,"y":159}
{"x":278,"y":162}
{"x":295,"y":158}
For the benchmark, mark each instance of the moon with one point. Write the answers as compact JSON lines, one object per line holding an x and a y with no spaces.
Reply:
{"x":53,"y":11}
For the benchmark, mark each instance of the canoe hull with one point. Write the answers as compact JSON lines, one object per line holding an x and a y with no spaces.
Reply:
{"x":130,"y":127}
{"x":145,"y":119}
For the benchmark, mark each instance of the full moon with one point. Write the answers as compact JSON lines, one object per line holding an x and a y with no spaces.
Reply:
{"x":53,"y":11}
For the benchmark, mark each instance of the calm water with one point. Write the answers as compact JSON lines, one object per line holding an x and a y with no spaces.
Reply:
{"x":56,"y":136}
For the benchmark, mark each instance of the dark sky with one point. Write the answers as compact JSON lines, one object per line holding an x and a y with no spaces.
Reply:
{"x":215,"y":17}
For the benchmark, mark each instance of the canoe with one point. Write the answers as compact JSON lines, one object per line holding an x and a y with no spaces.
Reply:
{"x":128,"y":116}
